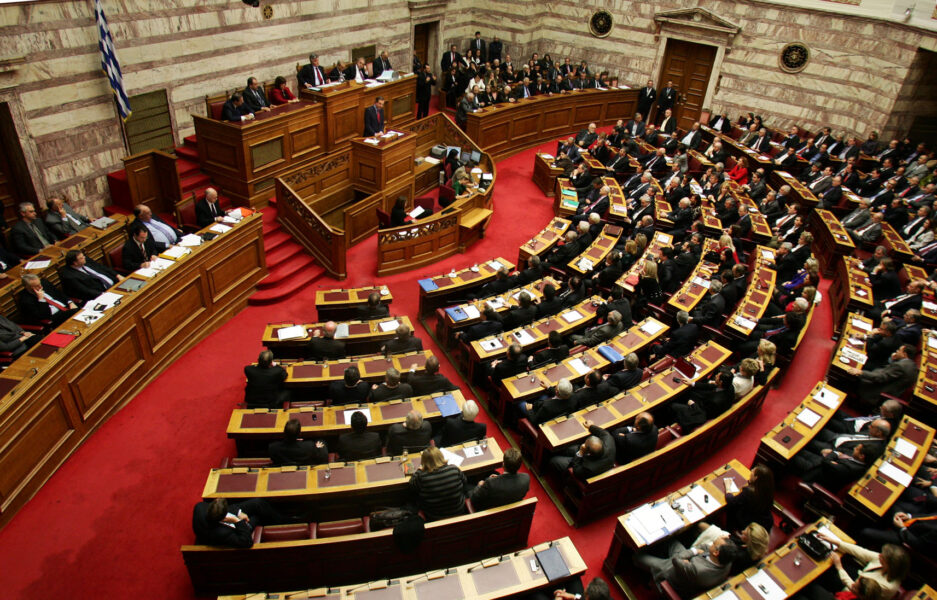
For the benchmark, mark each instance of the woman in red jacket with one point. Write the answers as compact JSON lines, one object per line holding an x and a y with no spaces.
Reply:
{"x":281,"y":94}
{"x":739,"y":173}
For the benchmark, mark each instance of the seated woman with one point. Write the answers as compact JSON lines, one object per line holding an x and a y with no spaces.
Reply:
{"x":753,"y":541}
{"x":438,"y":488}
{"x":398,"y":214}
{"x":739,"y":172}
{"x":648,"y":288}
{"x":728,"y":256}
{"x":753,"y":503}
{"x":765,"y":356}
{"x":744,"y":376}
{"x":463,"y":186}
{"x":281,"y":94}
{"x":887,"y":568}
{"x":808,"y":276}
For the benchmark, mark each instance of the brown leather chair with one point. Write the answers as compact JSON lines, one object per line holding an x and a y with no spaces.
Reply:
{"x":328,"y":529}
{"x":665,"y":435}
{"x":214,"y":104}
{"x":115,"y":257}
{"x":285,"y":533}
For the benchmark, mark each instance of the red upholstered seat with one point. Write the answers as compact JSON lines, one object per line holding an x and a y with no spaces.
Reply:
{"x":115,"y":256}
{"x":345,"y":527}
{"x":252,"y":463}
{"x":427,"y":203}
{"x":216,"y":108}
{"x":186,"y":216}
{"x":288,"y":532}
{"x":446,"y":195}
{"x":665,"y":435}
{"x":383,"y":219}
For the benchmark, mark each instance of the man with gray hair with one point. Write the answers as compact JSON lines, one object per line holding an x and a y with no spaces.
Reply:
{"x":312,"y":75}
{"x":556,"y":402}
{"x":462,"y":427}
{"x":601,"y":333}
{"x":391,"y":389}
{"x":40,"y":301}
{"x":323,"y":345}
{"x":29,"y":235}
{"x":403,"y":342}
{"x":62,"y":220}
{"x":712,"y":312}
{"x":413,"y":435}
{"x":599,"y":205}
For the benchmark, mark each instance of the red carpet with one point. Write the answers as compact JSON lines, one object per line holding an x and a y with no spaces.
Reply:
{"x":110,"y":522}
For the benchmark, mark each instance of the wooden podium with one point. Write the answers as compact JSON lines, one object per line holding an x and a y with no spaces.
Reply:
{"x":380,"y":167}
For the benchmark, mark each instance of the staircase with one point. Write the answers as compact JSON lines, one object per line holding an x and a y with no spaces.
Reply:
{"x":289,"y":267}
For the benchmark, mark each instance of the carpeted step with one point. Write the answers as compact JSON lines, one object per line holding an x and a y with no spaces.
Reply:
{"x":185,"y":167}
{"x":271,"y":227}
{"x":187,"y":152}
{"x":190,"y":141}
{"x":194,"y":182}
{"x":281,"y":273}
{"x":283,"y":253}
{"x":274,"y":240}
{"x":304,"y":278}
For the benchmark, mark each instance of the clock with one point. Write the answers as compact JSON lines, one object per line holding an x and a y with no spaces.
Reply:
{"x":794,"y":57}
{"x":600,"y":24}
{"x":268,"y":12}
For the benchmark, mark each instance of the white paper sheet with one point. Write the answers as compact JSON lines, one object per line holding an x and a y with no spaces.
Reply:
{"x":767,"y":254}
{"x":859,"y":324}
{"x":161,"y":263}
{"x":571,"y":316}
{"x":579,"y":366}
{"x":745,"y":323}
{"x":190,"y":240}
{"x":176,"y":251}
{"x":825,"y":530}
{"x":669,"y":517}
{"x":294,"y":332}
{"x":229,"y":219}
{"x":703,"y":500}
{"x":766,"y":587}
{"x":905,"y":448}
{"x":651,"y":327}
{"x":472,"y":311}
{"x":389,"y":325}
{"x":585,"y":264}
{"x":219,"y":228}
{"x":932,"y":342}
{"x":341,"y":331}
{"x":826,"y":398}
{"x":365,"y":411}
{"x":894,"y":473}
{"x":471,"y":451}
{"x":495,"y":303}
{"x":147,"y":272}
{"x":452,"y":458}
{"x":88,"y":316}
{"x":853,"y":355}
{"x":495,"y":264}
{"x":730,"y":486}
{"x":416,"y":212}
{"x":108,"y":299}
{"x":431,"y":160}
{"x":928,"y":305}
{"x":808,"y":417}
{"x":36,"y":264}
{"x":490,"y":345}
{"x":701,"y":282}
{"x":726,"y":595}
{"x":523,"y":338}
{"x":546,"y":156}
{"x":643,"y":522}
{"x":691,"y":512}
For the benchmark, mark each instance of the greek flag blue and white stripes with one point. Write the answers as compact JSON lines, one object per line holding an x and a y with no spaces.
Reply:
{"x":109,"y":63}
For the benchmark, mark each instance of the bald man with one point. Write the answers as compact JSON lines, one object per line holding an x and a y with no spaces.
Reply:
{"x":207,"y":210}
{"x":323,"y":345}
{"x":595,"y":456}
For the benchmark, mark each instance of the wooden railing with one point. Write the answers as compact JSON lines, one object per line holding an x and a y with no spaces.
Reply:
{"x":326,"y":243}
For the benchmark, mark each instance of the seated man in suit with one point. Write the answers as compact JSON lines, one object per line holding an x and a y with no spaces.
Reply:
{"x":40,"y":301}
{"x":601,"y":333}
{"x":163,"y":234}
{"x":323,"y":345}
{"x":359,"y":444}
{"x":217,"y":523}
{"x":391,"y":388}
{"x":374,"y":309}
{"x":62,"y":220}
{"x":86,"y":279}
{"x":236,"y":110}
{"x":358,"y":71}
{"x":498,"y":490}
{"x":29,"y":235}
{"x":633,"y":442}
{"x":586,"y":136}
{"x":404,"y":342}
{"x":894,"y":378}
{"x":312,"y":75}
{"x":595,"y":456}
{"x":374,"y":118}
{"x":489,"y":324}
{"x":14,"y":339}
{"x":254,"y":96}
{"x":713,"y":310}
{"x":682,"y":340}
{"x":522,"y":314}
{"x":691,"y":571}
{"x":834,"y":469}
{"x":207,"y":210}
{"x":351,"y":390}
{"x":461,"y":428}
{"x":381,"y":64}
{"x":265,"y":381}
{"x":431,"y":381}
{"x":293,"y":450}
{"x":549,"y":406}
{"x":413,"y":435}
{"x":629,"y":376}
{"x":139,"y":249}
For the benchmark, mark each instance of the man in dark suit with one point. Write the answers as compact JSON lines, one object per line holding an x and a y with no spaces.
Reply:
{"x":29,"y":235}
{"x":666,"y":98}
{"x":494,"y":49}
{"x":431,"y":381}
{"x":837,"y":469}
{"x":479,"y":46}
{"x":381,"y":64}
{"x":62,"y":221}
{"x":404,"y":342}
{"x":894,"y":378}
{"x":14,"y":339}
{"x":586,"y":136}
{"x":625,"y":379}
{"x":424,"y":91}
{"x":450,"y":58}
{"x":713,"y":310}
{"x":646,"y":99}
{"x":374,"y":309}
{"x":207,"y":210}
{"x":595,"y":456}
{"x":693,"y":137}
{"x":217,"y":523}
{"x":359,"y":444}
{"x":357,"y":71}
{"x":254,"y":96}
{"x":139,"y":249}
{"x":351,"y":390}
{"x":461,"y":428}
{"x":323,"y":345}
{"x":490,"y":324}
{"x":391,"y":388}
{"x":41,"y":301}
{"x":162,"y":233}
{"x":635,"y":127}
{"x":293,"y":450}
{"x":312,"y":75}
{"x":668,"y":123}
{"x":86,"y":279}
{"x":498,"y":490}
{"x":831,"y":197}
{"x":634,"y":442}
{"x":512,"y":364}
{"x":691,"y":571}
{"x":721,"y":122}
{"x":413,"y":435}
{"x":264,"y":388}
{"x":374,"y":118}
{"x":467,"y":105}
{"x":522,"y":314}
{"x":235,"y":109}
{"x":682,"y":340}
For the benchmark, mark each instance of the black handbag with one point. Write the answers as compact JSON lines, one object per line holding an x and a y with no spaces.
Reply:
{"x":813,"y":546}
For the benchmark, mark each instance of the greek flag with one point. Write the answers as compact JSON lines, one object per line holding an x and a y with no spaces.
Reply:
{"x":109,"y":63}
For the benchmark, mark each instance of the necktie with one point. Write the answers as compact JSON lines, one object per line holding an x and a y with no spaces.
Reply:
{"x":41,"y":237}
{"x":106,"y":280}
{"x":774,"y":332}
{"x":318,"y":75}
{"x":54,"y":302}
{"x":911,"y":522}
{"x":211,"y":207}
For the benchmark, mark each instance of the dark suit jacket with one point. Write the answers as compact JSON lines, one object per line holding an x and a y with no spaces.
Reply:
{"x":62,"y":228}
{"x":711,"y":312}
{"x":203,"y":214}
{"x":263,"y":385}
{"x":341,"y":394}
{"x":500,"y":490}
{"x":398,"y":346}
{"x":307,"y":75}
{"x":424,"y":384}
{"x":359,"y":446}
{"x":230,"y":112}
{"x":34,"y":311}
{"x":634,"y":444}
{"x":24,"y":241}
{"x":78,"y":284}
{"x":297,"y":452}
{"x":682,"y":340}
{"x":666,"y":98}
{"x":373,"y":120}
{"x":255,"y":99}
{"x":399,"y":438}
{"x":132,"y":257}
{"x":382,"y":393}
{"x":585,"y":467}
{"x":456,"y":430}
{"x":321,"y":348}
{"x":216,"y":534}
{"x":378,"y":67}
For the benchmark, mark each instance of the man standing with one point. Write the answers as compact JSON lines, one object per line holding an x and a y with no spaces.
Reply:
{"x":254,"y":96}
{"x":424,"y":91}
{"x":29,"y":235}
{"x":312,"y":75}
{"x":646,"y":99}
{"x":667,"y":97}
{"x":374,"y":118}
{"x":478,"y":45}
{"x":450,"y":58}
{"x":494,"y":49}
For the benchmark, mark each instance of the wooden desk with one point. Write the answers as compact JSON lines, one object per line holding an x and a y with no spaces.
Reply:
{"x":593,"y":257}
{"x":617,"y":207}
{"x":51,"y":400}
{"x":245,"y":158}
{"x":461,"y":316}
{"x":504,"y":129}
{"x":505,"y":576}
{"x":696,"y":287}
{"x":654,"y":245}
{"x":343,"y":106}
{"x":345,"y":490}
{"x":799,"y":427}
{"x":314,"y":374}
{"x":711,"y":221}
{"x":800,"y":193}
{"x":338,"y":304}
{"x":875,"y":493}
{"x":925,"y":388}
{"x":899,"y":248}
{"x":760,"y":289}
{"x":850,"y":349}
{"x":565,"y":198}
{"x":382,"y":165}
{"x":788,"y":567}
{"x":364,"y":337}
{"x":441,"y":289}
{"x":543,"y":241}
{"x":850,"y":290}
{"x":831,"y":241}
{"x":623,"y":407}
{"x":545,"y":173}
{"x":928,"y":306}
{"x":252,"y":429}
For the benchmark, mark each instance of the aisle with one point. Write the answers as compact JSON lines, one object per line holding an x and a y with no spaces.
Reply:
{"x":110,"y":522}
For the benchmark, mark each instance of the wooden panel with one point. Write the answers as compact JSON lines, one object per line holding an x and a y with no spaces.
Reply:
{"x":527,"y":125}
{"x":224,"y":156}
{"x":307,"y":140}
{"x":169,"y":318}
{"x":367,"y":173}
{"x":266,"y":152}
{"x":361,"y":219}
{"x":495,"y":135}
{"x":586,"y":113}
{"x":400,"y":167}
{"x":348,"y":124}
{"x":229,"y":272}
{"x":119,"y":358}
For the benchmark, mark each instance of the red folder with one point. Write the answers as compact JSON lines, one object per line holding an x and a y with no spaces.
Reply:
{"x":59,"y":340}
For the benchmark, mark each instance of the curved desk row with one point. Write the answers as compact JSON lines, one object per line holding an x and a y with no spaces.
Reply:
{"x":51,"y":399}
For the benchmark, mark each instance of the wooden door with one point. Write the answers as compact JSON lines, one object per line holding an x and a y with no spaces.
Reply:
{"x":421,"y":41}
{"x":13,"y":171}
{"x":689,"y":66}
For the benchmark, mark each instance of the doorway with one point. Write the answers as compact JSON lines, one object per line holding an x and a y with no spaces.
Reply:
{"x":689,"y":66}
{"x":15,"y":183}
{"x":425,"y":41}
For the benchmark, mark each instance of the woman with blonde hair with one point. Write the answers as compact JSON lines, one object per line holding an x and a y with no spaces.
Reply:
{"x":648,"y":288}
{"x":438,"y":488}
{"x":766,"y":357}
{"x":744,"y":379}
{"x":641,"y":241}
{"x":753,"y":541}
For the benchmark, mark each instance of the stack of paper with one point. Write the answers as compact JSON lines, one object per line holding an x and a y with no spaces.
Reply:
{"x":471,"y":451}
{"x":472,"y":311}
{"x":808,"y":417}
{"x":895,"y":474}
{"x":651,"y":327}
{"x":431,"y":160}
{"x":219,"y":228}
{"x":495,"y":264}
{"x":571,"y":316}
{"x":146,"y":272}
{"x":523,"y":338}
{"x":175,"y":252}
{"x":389,"y":325}
{"x":37,"y":264}
{"x":190,"y":240}
{"x":826,"y":398}
{"x":160,"y":264}
{"x":365,"y":411}
{"x":495,"y":303}
{"x":767,"y":587}
{"x":452,"y":458}
{"x":745,"y":323}
{"x":702,"y":499}
{"x":853,"y":355}
{"x":490,"y":345}
{"x":107,"y":299}
{"x":579,"y":366}
{"x":294,"y":332}
{"x":691,"y":512}
{"x":88,"y":316}
{"x":341,"y":331}
{"x":905,"y":448}
{"x":585,"y":264}
{"x":860,"y":324}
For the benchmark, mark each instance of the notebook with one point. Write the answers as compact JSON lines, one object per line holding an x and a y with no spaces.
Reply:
{"x":131,"y":284}
{"x":552,"y":563}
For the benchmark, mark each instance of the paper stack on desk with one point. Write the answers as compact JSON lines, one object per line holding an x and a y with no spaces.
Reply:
{"x":389,"y":325}
{"x":294,"y":332}
{"x":190,"y":240}
{"x":105,"y":300}
{"x":175,"y":252}
{"x":219,"y":228}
